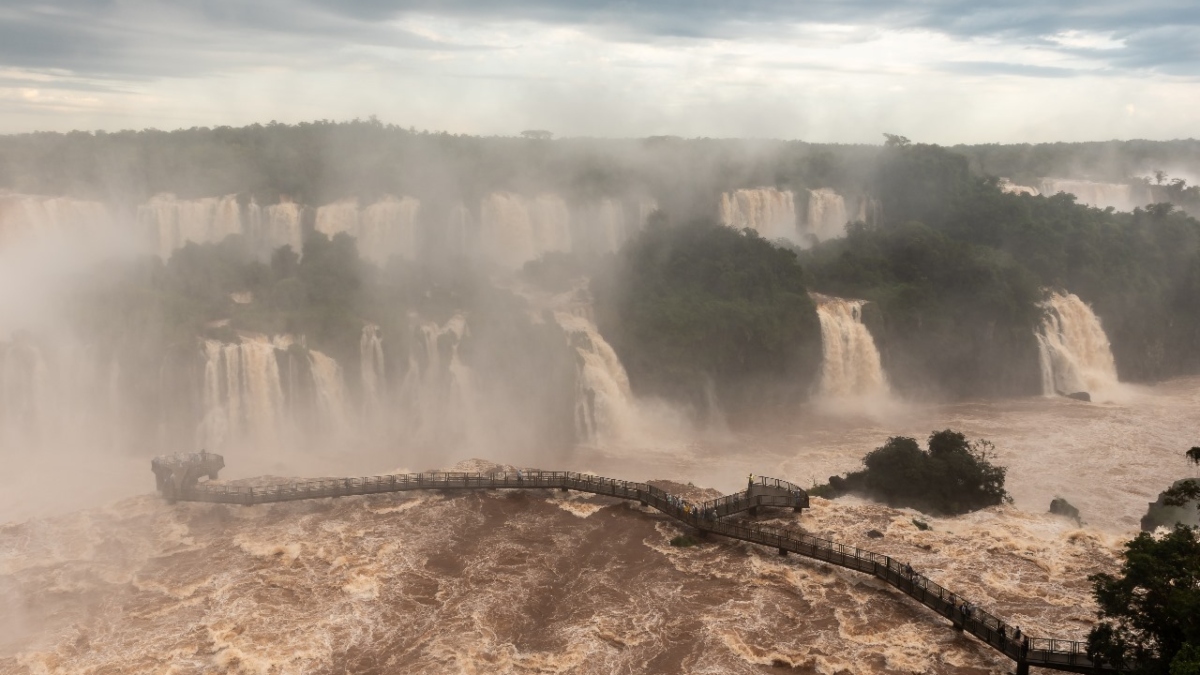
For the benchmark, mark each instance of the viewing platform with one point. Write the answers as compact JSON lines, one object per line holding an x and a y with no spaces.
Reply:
{"x":178,"y":479}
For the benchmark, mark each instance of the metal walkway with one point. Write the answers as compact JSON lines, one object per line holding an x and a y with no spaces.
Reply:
{"x":178,"y":480}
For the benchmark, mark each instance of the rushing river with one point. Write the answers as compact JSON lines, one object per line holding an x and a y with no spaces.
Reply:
{"x":549,"y":582}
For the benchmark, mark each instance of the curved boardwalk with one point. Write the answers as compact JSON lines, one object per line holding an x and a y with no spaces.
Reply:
{"x":178,"y":480}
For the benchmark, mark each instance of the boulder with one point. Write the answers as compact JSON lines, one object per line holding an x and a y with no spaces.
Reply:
{"x":1062,"y":507}
{"x":1081,"y":396}
{"x":875,"y":534}
{"x":1161,"y":515}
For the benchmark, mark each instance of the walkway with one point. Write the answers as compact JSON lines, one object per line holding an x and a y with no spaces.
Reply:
{"x":178,"y":480}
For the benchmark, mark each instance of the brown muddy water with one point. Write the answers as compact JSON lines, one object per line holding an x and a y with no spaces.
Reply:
{"x":545,"y":582}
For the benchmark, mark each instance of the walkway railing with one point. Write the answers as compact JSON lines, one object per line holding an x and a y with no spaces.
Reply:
{"x":707,"y":517}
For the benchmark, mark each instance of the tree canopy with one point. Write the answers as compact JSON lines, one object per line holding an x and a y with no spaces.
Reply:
{"x":1150,"y":611}
{"x":953,"y":476}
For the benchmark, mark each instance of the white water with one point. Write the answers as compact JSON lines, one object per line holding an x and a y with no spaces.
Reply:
{"x":373,"y":372}
{"x":600,"y":227}
{"x":770,"y":212}
{"x":437,"y":396}
{"x":24,"y":394}
{"x":1074,"y":352}
{"x":1121,"y":196}
{"x":243,"y":395}
{"x":277,"y":225}
{"x":604,"y":407}
{"x":850,"y":364}
{"x":330,"y":390}
{"x":170,"y":223}
{"x":514,"y":229}
{"x":54,"y":219}
{"x":826,"y":217}
{"x":1012,"y":188}
{"x":384,"y":229}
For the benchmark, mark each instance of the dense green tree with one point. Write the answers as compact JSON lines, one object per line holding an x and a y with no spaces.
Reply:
{"x":952,"y":477}
{"x":1150,"y":611}
{"x":703,"y":305}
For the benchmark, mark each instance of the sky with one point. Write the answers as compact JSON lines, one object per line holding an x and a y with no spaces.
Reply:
{"x":940,"y":71}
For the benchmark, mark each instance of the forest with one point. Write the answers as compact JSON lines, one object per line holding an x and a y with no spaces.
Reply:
{"x":953,"y":267}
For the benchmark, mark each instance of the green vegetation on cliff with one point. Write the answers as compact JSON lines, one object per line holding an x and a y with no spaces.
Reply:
{"x":954,"y":476}
{"x":1150,"y":611}
{"x":703,"y":306}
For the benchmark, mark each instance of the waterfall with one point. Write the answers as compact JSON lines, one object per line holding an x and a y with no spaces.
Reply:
{"x":505,"y":230}
{"x":383,"y":229}
{"x":437,"y":395}
{"x":243,"y":395}
{"x":387,"y":228}
{"x":1120,"y":196}
{"x":170,"y":223}
{"x":372,"y":371}
{"x":340,"y":216}
{"x":604,"y":407}
{"x":644,"y":207}
{"x":551,"y":222}
{"x":1073,"y":350}
{"x":24,"y":392}
{"x":277,"y":225}
{"x":601,"y":226}
{"x":768,"y":211}
{"x":50,"y":218}
{"x":850,"y":366}
{"x":1010,"y":187}
{"x":330,"y":390}
{"x":514,"y":230}
{"x":826,"y":217}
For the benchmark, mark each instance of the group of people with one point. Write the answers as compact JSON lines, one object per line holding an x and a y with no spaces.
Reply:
{"x":690,"y":509}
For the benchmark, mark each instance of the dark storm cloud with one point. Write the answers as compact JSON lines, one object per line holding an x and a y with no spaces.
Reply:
{"x":190,"y":36}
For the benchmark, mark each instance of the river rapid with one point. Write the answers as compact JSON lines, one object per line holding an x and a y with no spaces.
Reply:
{"x":545,"y":582}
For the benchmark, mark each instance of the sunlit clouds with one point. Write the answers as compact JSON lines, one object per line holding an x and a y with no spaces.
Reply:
{"x":939,"y":72}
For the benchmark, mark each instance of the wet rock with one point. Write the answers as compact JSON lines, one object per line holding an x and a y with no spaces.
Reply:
{"x":1062,"y":507}
{"x":1081,"y":396}
{"x":875,"y":534}
{"x":1161,"y":514}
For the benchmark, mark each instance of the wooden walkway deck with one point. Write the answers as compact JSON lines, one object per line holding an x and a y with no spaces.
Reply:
{"x":178,"y":480}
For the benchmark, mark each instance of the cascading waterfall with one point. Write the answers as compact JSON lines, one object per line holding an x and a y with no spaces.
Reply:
{"x":514,"y":230}
{"x":243,"y":394}
{"x":551,"y":224}
{"x":1010,"y":187}
{"x":24,"y":392}
{"x":604,"y":406}
{"x":826,"y":217}
{"x":770,"y":212}
{"x":170,"y":223}
{"x":330,"y":390}
{"x":389,"y":227}
{"x":340,"y":216}
{"x":1120,"y":196}
{"x":383,"y":229}
{"x":850,"y":367}
{"x":437,"y":393}
{"x":277,"y":225}
{"x":505,"y":230}
{"x":645,"y":207}
{"x":50,"y":218}
{"x":1073,"y":350}
{"x":601,"y":226}
{"x":372,"y":371}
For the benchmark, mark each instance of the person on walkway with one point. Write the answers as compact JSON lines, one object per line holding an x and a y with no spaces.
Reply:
{"x":750,"y":483}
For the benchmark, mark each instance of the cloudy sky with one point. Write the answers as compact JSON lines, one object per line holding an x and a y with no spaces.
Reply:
{"x":942,"y":71}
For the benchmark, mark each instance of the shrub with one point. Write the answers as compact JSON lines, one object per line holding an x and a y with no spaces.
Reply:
{"x":954,"y":476}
